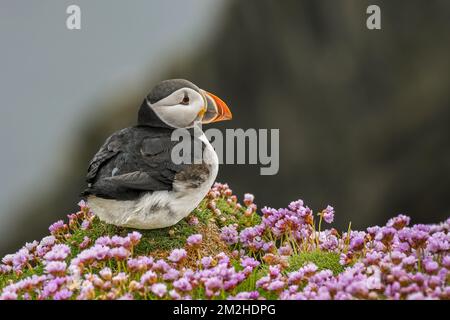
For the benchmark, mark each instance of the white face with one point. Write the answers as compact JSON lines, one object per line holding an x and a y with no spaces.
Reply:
{"x":181,"y":109}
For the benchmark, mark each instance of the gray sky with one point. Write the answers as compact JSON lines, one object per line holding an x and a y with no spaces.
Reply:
{"x":49,"y":75}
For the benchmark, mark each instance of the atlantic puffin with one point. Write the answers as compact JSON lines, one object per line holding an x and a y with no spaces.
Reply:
{"x":133,"y":181}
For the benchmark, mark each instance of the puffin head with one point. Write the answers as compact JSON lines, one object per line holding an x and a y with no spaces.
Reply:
{"x":179,"y":103}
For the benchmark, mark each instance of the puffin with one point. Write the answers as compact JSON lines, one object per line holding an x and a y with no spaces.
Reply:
{"x":133,"y":180}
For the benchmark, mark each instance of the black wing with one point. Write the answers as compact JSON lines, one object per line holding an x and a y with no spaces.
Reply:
{"x":110,"y":148}
{"x":133,"y":161}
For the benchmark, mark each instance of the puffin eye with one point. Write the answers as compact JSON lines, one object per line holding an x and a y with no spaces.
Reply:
{"x":185,"y":100}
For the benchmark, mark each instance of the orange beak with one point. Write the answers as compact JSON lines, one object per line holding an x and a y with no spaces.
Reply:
{"x":222,"y":112}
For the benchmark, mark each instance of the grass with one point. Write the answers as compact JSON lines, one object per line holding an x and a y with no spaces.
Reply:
{"x":323,"y":260}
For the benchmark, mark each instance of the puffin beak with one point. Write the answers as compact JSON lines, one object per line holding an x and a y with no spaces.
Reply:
{"x":216,"y":109}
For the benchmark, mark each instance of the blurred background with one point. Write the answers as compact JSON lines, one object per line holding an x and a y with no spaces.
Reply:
{"x":363,"y":115}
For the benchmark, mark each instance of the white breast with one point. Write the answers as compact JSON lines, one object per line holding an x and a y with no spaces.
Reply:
{"x":159,"y":209}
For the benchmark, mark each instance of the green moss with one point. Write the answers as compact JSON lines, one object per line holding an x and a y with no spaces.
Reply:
{"x":152,"y":240}
{"x":161,"y":239}
{"x":323,"y":260}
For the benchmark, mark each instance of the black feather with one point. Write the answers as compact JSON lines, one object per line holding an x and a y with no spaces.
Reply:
{"x":140,"y":158}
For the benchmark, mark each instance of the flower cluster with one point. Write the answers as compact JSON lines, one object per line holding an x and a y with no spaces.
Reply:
{"x":394,"y":261}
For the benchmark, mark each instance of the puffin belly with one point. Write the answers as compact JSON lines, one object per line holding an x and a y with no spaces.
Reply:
{"x":109,"y":210}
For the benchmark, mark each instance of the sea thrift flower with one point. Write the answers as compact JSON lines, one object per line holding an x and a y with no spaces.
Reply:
{"x":207,"y":262}
{"x":120,"y":278}
{"x":249,"y":262}
{"x":174,"y":295}
{"x":85,"y":243}
{"x":63,"y":294}
{"x":182,"y":284}
{"x":276,"y":285}
{"x":229,"y":234}
{"x":58,"y":252}
{"x":274,"y":271}
{"x":193,"y":221}
{"x":57,"y":227}
{"x":446,"y":261}
{"x":31,"y":246}
{"x":177,"y":255}
{"x":106,"y":273}
{"x":8,"y":295}
{"x":127,"y":296}
{"x":119,"y":253}
{"x":253,"y":295}
{"x":398,"y":222}
{"x":213,"y":286}
{"x":385,"y":235}
{"x":159,"y":289}
{"x":285,"y":250}
{"x":161,"y":265}
{"x":431,"y":266}
{"x":295,"y":277}
{"x":103,"y":241}
{"x":248,"y":199}
{"x":83,"y":205}
{"x":86,"y":224}
{"x":141,"y":263}
{"x":149,"y":277}
{"x":117,"y":241}
{"x":135,"y":237}
{"x":328,"y":214}
{"x":171,"y":275}
{"x":356,"y":244}
{"x":194,"y":240}
{"x":55,"y":267}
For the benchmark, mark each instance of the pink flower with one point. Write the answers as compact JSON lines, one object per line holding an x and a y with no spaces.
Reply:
{"x":82,"y":204}
{"x":8,"y":295}
{"x":213,"y":285}
{"x":206,"y":262}
{"x":58,"y":252}
{"x":177,"y":255}
{"x":248,"y":199}
{"x":55,"y":267}
{"x":276,"y":285}
{"x":85,"y":243}
{"x":149,"y":277}
{"x":159,"y":289}
{"x":119,"y":253}
{"x":431,"y":266}
{"x":249,"y":262}
{"x":193,"y":221}
{"x":57,"y":227}
{"x":230,"y":235}
{"x":86,"y":224}
{"x":253,"y":295}
{"x":106,"y":273}
{"x":182,"y":284}
{"x":171,"y":275}
{"x":135,"y":237}
{"x":194,"y":240}
{"x":328,"y":214}
{"x":120,"y":278}
{"x":63,"y":294}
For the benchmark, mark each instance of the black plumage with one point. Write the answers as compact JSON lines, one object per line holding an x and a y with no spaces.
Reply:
{"x":135,"y":160}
